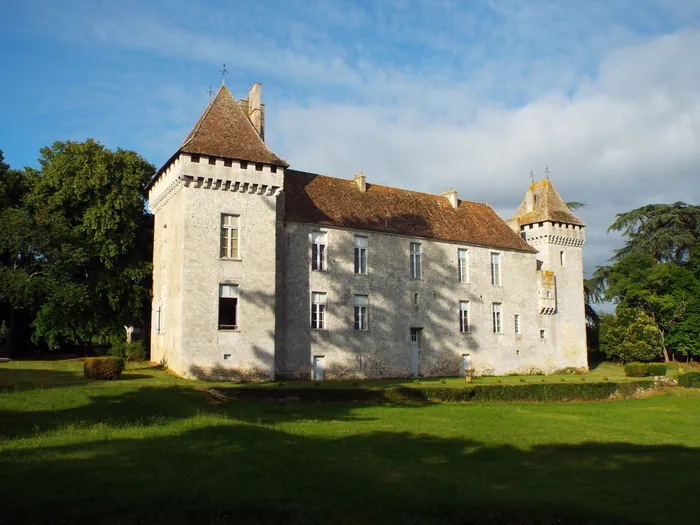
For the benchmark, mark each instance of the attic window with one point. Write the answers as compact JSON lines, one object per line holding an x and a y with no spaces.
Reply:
{"x":273,"y":169}
{"x":534,"y":199}
{"x":228,"y":163}
{"x":212,"y":161}
{"x":258,"y":166}
{"x":194,"y":158}
{"x":244,"y":165}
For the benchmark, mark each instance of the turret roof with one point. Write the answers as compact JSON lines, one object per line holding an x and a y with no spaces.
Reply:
{"x":547,"y":205}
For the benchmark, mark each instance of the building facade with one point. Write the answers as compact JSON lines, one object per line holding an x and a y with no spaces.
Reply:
{"x":261,"y":271}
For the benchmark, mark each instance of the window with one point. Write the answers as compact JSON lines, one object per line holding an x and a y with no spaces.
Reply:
{"x":516,"y":321}
{"x":463,"y":265}
{"x":416,"y":269}
{"x":158,"y":319}
{"x":228,"y":307}
{"x":273,"y":169}
{"x":194,"y":158}
{"x":258,"y":166}
{"x":318,"y":311}
{"x":228,"y":163}
{"x":212,"y":161}
{"x":415,"y":300}
{"x":523,"y":235}
{"x":496,"y":314}
{"x":542,"y":334}
{"x":496,"y":269}
{"x":229,"y":236}
{"x":318,"y":251}
{"x":244,"y":165}
{"x":360,"y":254}
{"x":562,"y":258}
{"x":361,"y":312}
{"x":464,"y":317}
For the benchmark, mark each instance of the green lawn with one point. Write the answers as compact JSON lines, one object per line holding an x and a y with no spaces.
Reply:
{"x":151,"y":449}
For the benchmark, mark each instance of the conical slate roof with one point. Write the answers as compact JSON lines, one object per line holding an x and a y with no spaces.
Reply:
{"x":224,"y":130}
{"x":547,"y":205}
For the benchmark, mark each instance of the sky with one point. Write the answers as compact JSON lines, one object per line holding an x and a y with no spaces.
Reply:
{"x":422,"y":95}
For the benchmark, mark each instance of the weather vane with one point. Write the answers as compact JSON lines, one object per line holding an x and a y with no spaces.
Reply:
{"x":223,"y":72}
{"x":210,"y":92}
{"x":546,"y":172}
{"x":532,"y":176}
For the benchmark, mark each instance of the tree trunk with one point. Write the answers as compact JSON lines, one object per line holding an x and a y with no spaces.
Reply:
{"x":663,"y":347}
{"x":7,"y":344}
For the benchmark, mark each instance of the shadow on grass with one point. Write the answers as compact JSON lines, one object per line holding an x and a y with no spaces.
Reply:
{"x":233,"y":472}
{"x":28,"y":378}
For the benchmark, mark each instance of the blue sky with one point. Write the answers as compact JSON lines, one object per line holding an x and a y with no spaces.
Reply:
{"x":422,"y":95}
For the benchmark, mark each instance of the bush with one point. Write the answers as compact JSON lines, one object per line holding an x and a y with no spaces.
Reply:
{"x":636,"y":369}
{"x":534,"y":392}
{"x":657,"y":369}
{"x":103,"y":367}
{"x":135,"y":351}
{"x":689,"y":380}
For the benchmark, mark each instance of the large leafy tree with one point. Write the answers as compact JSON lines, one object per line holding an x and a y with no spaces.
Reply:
{"x":83,"y":230}
{"x":630,"y":335}
{"x":656,"y":272}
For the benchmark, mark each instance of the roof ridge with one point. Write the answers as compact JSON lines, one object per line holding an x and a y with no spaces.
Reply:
{"x":385,"y":186}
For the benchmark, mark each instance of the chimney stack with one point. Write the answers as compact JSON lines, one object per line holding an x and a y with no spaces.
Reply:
{"x":256,"y":112}
{"x":451,"y":195}
{"x":361,"y":181}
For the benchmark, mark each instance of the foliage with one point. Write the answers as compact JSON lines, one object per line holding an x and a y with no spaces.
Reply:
{"x":657,"y":369}
{"x":103,"y":367}
{"x":689,"y":380}
{"x":629,"y":336}
{"x":637,"y":369}
{"x":77,"y":248}
{"x":134,"y":351}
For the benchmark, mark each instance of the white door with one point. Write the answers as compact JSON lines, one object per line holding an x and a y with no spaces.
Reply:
{"x":415,"y":351}
{"x":319,"y":367}
{"x":466,"y":364}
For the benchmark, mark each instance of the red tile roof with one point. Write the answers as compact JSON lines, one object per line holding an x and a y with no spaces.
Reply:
{"x":547,"y":206}
{"x":319,"y":199}
{"x":225,"y":131}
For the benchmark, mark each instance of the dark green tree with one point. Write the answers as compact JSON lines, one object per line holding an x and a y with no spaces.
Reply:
{"x":628,"y":336}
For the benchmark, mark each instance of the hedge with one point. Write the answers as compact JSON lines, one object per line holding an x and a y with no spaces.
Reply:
{"x":636,"y":369}
{"x":103,"y":367}
{"x":689,"y":380}
{"x":540,"y":392}
{"x":657,"y":369}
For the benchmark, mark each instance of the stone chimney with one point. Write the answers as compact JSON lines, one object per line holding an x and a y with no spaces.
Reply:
{"x":256,"y":112}
{"x":451,"y":195}
{"x":361,"y":182}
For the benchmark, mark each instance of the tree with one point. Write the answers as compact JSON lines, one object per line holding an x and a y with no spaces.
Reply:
{"x":658,"y":270}
{"x":79,"y":243}
{"x":629,"y":336}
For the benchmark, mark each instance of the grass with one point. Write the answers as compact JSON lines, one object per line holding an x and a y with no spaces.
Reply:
{"x":152,"y":449}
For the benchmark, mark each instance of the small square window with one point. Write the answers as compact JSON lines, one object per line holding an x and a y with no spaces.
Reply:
{"x":194,"y":158}
{"x":258,"y":166}
{"x":244,"y":165}
{"x":212,"y":161}
{"x":228,"y":163}
{"x":273,"y":169}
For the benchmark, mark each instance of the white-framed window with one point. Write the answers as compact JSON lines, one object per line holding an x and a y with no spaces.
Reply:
{"x":496,"y":269}
{"x":318,"y":310}
{"x":416,"y":263}
{"x":562,"y":258}
{"x":360,"y":254}
{"x":361,"y":312}
{"x":497,"y":317}
{"x":463,"y":265}
{"x":464,"y":317}
{"x":228,"y":307}
{"x":230,"y":236}
{"x":318,"y":250}
{"x":516,"y":323}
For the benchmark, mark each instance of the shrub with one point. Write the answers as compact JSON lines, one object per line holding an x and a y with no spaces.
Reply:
{"x":657,"y":369}
{"x":636,"y":369}
{"x":103,"y":367}
{"x":689,"y":380}
{"x":630,"y":336}
{"x":135,"y":351}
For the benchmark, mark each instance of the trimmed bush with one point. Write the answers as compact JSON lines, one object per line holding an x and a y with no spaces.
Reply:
{"x":103,"y":367}
{"x":657,"y":369}
{"x":689,"y":380}
{"x":534,"y":392}
{"x":636,"y":369}
{"x":135,"y":351}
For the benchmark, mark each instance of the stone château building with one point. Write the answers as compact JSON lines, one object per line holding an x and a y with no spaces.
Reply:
{"x":261,"y":271}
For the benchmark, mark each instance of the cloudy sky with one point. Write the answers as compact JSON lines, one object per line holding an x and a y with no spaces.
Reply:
{"x":423,"y":95}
